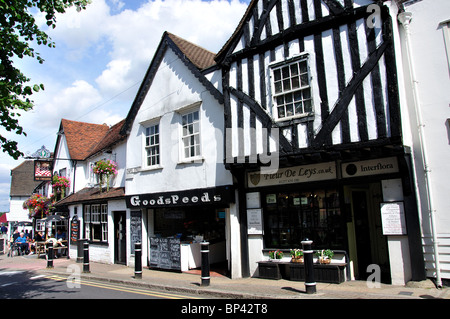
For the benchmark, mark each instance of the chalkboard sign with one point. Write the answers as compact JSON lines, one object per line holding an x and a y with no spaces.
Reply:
{"x":74,"y":230}
{"x":135,"y":229}
{"x":165,"y":253}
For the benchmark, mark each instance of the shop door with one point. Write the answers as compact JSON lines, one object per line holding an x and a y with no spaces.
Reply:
{"x":371,"y":244}
{"x":120,"y":238}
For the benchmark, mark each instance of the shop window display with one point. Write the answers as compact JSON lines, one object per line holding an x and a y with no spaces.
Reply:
{"x":290,"y":217}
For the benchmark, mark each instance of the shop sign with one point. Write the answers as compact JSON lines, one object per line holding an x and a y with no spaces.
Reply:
{"x":371,"y":167}
{"x":393,"y":218}
{"x":218,"y":196}
{"x":296,"y":174}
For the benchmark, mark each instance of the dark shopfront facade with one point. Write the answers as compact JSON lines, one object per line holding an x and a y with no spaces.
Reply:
{"x":340,"y":205}
{"x":175,"y":223}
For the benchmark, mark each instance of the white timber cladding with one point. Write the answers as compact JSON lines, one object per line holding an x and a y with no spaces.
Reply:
{"x":342,"y":50}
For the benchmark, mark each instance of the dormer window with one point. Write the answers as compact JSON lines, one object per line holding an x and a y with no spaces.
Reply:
{"x":291,"y":89}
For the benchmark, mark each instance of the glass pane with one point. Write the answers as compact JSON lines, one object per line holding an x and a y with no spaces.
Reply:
{"x":286,"y":85}
{"x":303,"y":67}
{"x":298,"y":108}
{"x":280,"y":100}
{"x":288,"y":98}
{"x":156,"y":129}
{"x":306,"y":94}
{"x":289,"y":109}
{"x":294,"y":69}
{"x":308,"y":106}
{"x":277,"y":74}
{"x":281,"y":113}
{"x":285,"y":71}
{"x":298,"y":96}
{"x":197,"y":150}
{"x":196,"y":127}
{"x":196,"y":116}
{"x":295,"y":82}
{"x":304,"y":78}
{"x":278,"y":87}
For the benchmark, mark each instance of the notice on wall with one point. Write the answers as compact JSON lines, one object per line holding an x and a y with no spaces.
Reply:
{"x":393,"y":218}
{"x":254,"y":222}
{"x":135,"y":229}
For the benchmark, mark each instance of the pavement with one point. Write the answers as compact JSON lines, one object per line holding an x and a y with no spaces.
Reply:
{"x":222,"y":286}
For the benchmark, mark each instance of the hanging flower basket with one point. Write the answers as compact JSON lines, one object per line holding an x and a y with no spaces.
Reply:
{"x":38,"y":206}
{"x":59,"y":184}
{"x":104,"y":169}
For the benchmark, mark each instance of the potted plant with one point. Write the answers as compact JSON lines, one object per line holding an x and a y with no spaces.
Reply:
{"x":104,"y":169}
{"x":59,"y":184}
{"x":38,"y":205}
{"x":275,"y":255}
{"x":324,"y":256}
{"x":296,"y":255}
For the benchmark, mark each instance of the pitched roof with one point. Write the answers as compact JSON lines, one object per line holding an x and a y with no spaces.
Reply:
{"x":111,"y":137}
{"x":92,"y":194}
{"x":82,"y":137}
{"x":22,"y":179}
{"x":199,"y":56}
{"x":195,"y":58}
{"x":86,"y":139}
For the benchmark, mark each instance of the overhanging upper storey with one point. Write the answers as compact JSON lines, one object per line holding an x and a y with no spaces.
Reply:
{"x":310,"y":76}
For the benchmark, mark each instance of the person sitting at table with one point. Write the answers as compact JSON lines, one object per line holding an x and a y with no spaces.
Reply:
{"x":22,"y":243}
{"x":60,"y":235}
{"x":56,"y":243}
{"x":37,"y":238}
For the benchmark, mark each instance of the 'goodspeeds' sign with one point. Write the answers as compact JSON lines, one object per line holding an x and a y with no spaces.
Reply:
{"x":218,"y":196}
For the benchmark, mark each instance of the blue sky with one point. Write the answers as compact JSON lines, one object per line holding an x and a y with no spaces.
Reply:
{"x":100,"y":58}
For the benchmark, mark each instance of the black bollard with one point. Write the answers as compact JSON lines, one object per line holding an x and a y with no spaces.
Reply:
{"x":50,"y":254}
{"x":205,"y":263}
{"x":310,"y":283}
{"x":86,"y":257}
{"x":137,"y":260}
{"x":80,"y":252}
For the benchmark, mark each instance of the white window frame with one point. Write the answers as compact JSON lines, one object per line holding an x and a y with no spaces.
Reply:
{"x":96,"y":214}
{"x":290,"y":95}
{"x":152,"y":143}
{"x":147,"y":125}
{"x":197,"y":157}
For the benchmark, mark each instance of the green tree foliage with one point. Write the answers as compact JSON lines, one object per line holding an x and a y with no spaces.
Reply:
{"x":18,"y":31}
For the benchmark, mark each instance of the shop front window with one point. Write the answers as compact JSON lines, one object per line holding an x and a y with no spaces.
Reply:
{"x":96,"y":222}
{"x":193,"y":224}
{"x":290,"y":217}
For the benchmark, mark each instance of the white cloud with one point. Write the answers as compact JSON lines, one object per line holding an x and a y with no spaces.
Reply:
{"x":103,"y":52}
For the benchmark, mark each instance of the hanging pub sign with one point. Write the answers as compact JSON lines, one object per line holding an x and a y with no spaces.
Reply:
{"x":42,"y":170}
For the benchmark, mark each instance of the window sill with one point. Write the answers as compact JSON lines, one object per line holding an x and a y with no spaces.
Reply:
{"x":151,"y":168}
{"x":285,"y":121}
{"x":192,"y":160}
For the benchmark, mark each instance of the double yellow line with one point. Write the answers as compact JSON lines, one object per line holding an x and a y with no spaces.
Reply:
{"x":123,"y":288}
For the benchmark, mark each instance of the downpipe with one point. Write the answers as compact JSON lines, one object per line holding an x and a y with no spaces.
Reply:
{"x":405,"y":19}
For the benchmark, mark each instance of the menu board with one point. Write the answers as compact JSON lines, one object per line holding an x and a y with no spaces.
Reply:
{"x":165,"y":253}
{"x":393,"y":218}
{"x":135,"y":229}
{"x":74,"y":230}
